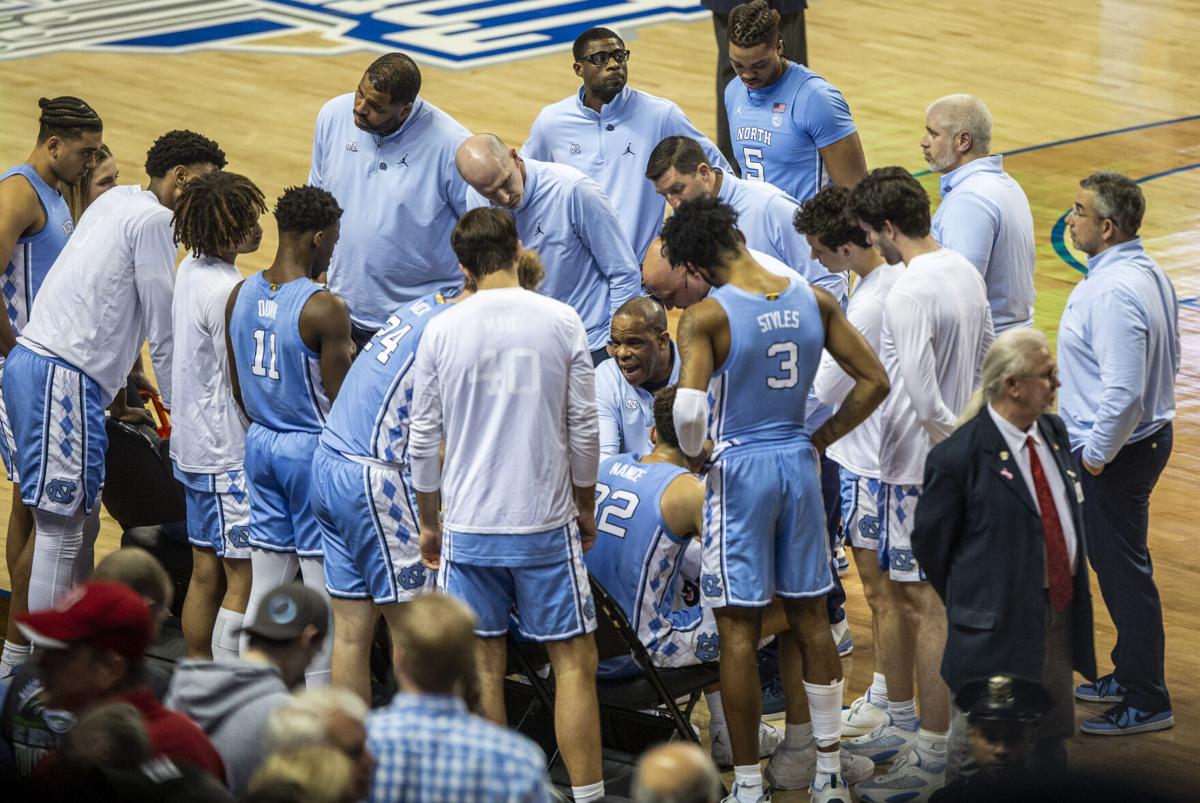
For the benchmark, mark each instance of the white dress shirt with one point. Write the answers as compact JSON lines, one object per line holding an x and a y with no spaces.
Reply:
{"x":1017,"y":441}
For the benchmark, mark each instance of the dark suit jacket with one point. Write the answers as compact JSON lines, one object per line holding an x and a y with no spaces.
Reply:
{"x":978,"y":536}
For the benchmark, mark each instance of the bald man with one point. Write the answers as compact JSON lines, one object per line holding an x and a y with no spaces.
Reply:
{"x":984,"y":214}
{"x":564,"y":216}
{"x":643,"y":362}
{"x":678,"y":772}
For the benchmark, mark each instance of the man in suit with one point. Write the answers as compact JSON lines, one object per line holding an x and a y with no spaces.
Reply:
{"x":1000,"y":533}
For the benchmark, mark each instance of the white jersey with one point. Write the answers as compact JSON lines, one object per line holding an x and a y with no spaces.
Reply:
{"x":208,"y":431}
{"x":858,"y":450}
{"x":506,"y":377}
{"x":937,"y":326}
{"x":108,"y":291}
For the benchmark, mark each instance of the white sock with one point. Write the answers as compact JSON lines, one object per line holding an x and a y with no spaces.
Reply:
{"x":225,"y":635}
{"x":749,"y":779}
{"x":716,"y":713}
{"x":312,"y":572}
{"x":932,"y":744}
{"x":903,"y":713}
{"x":593,"y":791}
{"x":13,"y":658}
{"x":877,"y":694}
{"x":829,"y":762}
{"x":797,"y":735}
{"x":825,"y":706}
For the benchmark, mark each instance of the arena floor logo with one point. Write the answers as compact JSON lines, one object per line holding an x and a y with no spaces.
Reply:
{"x":445,"y":33}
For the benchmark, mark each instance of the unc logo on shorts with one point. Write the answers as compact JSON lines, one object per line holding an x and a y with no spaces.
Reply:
{"x":901,"y":559}
{"x":708,"y":647}
{"x":868,"y":527}
{"x":61,"y":491}
{"x":710,"y":584}
{"x":239,"y":536}
{"x":589,"y":608}
{"x":412,"y":576}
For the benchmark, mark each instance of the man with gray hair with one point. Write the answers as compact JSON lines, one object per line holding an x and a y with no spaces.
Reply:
{"x":331,"y":716}
{"x":678,"y":772}
{"x":1118,"y":344}
{"x":1000,"y":534}
{"x":984,"y":214}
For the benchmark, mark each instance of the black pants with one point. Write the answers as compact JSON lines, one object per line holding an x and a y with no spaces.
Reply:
{"x":1116,"y":510}
{"x":360,"y":336}
{"x":795,"y":47}
{"x":831,"y":496}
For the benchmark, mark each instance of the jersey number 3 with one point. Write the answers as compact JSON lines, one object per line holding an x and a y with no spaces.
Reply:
{"x":264,"y":363}
{"x":787,"y":353}
{"x":620,"y":505}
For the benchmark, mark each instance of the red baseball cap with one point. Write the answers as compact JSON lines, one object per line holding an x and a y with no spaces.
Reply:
{"x":107,"y":615}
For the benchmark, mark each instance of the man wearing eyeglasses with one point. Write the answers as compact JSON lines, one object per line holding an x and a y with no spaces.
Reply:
{"x":1118,"y":348}
{"x":606,"y":130}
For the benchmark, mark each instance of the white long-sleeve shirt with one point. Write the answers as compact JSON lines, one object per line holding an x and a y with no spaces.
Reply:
{"x":108,"y":291}
{"x":506,"y":378}
{"x":858,"y":450}
{"x":937,"y":326}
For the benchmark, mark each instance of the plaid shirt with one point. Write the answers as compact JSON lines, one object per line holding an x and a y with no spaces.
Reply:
{"x":430,"y":749}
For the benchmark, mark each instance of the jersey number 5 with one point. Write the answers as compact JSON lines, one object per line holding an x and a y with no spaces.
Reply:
{"x":263,"y":342}
{"x":752,"y":162}
{"x":621,"y":505}
{"x":788,"y":354}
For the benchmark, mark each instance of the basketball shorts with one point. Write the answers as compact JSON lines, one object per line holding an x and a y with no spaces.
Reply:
{"x":550,"y":602}
{"x":690,"y":638}
{"x":279,"y":477}
{"x":764,"y":527}
{"x":860,"y":512}
{"x":218,"y":512}
{"x":898,"y":514}
{"x":367,"y":515}
{"x":54,"y":433}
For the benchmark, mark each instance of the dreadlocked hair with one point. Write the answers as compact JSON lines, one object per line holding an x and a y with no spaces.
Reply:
{"x":752,"y":24}
{"x":66,"y":118}
{"x":177,"y":147}
{"x":306,"y":208}
{"x":216,"y":212}
{"x":701,"y":233}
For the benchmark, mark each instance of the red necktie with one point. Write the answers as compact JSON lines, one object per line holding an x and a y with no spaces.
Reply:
{"x":1058,"y":567}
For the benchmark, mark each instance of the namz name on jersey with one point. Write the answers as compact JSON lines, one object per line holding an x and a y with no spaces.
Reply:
{"x":752,"y":134}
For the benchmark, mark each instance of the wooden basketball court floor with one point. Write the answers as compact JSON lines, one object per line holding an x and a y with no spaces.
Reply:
{"x":1073,"y":86}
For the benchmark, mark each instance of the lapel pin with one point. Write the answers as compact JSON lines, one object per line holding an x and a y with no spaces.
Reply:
{"x":1004,"y":455}
{"x":1004,"y":472}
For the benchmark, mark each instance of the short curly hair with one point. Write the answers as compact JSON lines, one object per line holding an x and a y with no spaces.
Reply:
{"x":891,"y":193}
{"x":306,"y":208}
{"x":216,"y":212}
{"x":702,"y":233}
{"x":752,"y":24}
{"x":664,"y":416}
{"x":397,"y":75}
{"x":824,"y":217}
{"x":182,"y":148}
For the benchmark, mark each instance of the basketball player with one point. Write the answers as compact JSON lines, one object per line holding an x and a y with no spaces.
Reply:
{"x":753,"y":345}
{"x":109,"y":288}
{"x":680,"y":170}
{"x":35,"y":223}
{"x":505,"y":378}
{"x":788,"y":125}
{"x":607,"y":129}
{"x":564,"y":216}
{"x":937,"y":326}
{"x":644,"y":360}
{"x":289,"y":343}
{"x":362,"y":486}
{"x":840,"y":244}
{"x":648,"y":511}
{"x":387,"y":155}
{"x":216,"y":219}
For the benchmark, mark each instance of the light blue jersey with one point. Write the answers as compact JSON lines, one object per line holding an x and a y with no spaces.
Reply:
{"x":279,"y":375}
{"x":777,"y":131}
{"x":612,"y":147}
{"x":569,"y":221}
{"x":34,"y":254}
{"x":758,"y":395}
{"x":371,"y":417}
{"x":637,"y":559}
{"x":402,"y":196}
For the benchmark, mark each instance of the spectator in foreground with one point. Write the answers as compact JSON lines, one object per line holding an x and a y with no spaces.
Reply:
{"x":676,"y":773}
{"x":331,"y":716}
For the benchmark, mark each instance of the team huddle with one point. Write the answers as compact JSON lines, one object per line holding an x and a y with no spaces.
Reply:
{"x":456,"y":375}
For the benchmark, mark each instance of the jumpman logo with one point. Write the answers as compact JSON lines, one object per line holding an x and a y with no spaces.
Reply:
{"x":539,"y":230}
{"x":629,"y":150}
{"x":403,"y":161}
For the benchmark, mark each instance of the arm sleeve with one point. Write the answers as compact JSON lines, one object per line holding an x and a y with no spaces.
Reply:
{"x":608,"y":419}
{"x":678,"y":124}
{"x":825,"y":116}
{"x":1120,"y":335}
{"x":582,"y":439}
{"x":316,"y":170}
{"x":968,"y":225}
{"x":154,"y":277}
{"x":593,"y":218}
{"x":940,"y":519}
{"x":425,"y":430}
{"x":913,"y":339}
{"x":536,"y":147}
{"x":690,"y":415}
